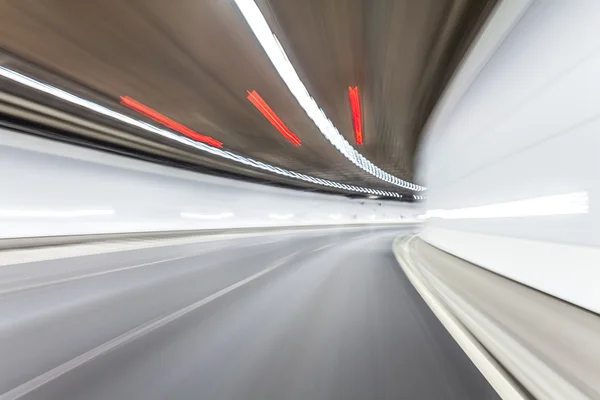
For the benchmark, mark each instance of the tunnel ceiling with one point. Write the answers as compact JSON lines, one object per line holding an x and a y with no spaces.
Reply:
{"x":195,"y":61}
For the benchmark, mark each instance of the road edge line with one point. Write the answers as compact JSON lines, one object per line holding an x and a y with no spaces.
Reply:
{"x":479,"y":356}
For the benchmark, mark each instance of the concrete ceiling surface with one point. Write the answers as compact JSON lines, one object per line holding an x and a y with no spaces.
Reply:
{"x":194,"y":61}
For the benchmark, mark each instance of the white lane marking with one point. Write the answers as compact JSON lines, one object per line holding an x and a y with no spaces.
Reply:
{"x":344,"y":241}
{"x":254,"y":244}
{"x":100,"y":273}
{"x":133,"y":334}
{"x":323,"y":247}
{"x":94,"y":274}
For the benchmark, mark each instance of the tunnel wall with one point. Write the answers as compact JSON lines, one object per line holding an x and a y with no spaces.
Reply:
{"x":51,"y":189}
{"x":514,"y":134}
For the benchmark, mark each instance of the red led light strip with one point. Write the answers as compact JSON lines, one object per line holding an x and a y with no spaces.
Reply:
{"x":356,"y":116}
{"x":260,"y":104}
{"x":169,"y":123}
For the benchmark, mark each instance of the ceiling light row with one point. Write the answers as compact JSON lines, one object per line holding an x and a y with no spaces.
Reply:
{"x":286,"y":70}
{"x":89,"y":105}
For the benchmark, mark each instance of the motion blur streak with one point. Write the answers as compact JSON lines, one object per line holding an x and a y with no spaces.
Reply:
{"x":54,"y":213}
{"x":264,"y":108}
{"x":166,"y":121}
{"x":571,"y":203}
{"x":71,"y":98}
{"x":207,"y":216}
{"x":314,"y":315}
{"x":286,"y":70}
{"x":281,"y":216}
{"x":356,"y":116}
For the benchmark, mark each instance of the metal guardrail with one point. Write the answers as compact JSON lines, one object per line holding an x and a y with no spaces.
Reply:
{"x":526,"y":343}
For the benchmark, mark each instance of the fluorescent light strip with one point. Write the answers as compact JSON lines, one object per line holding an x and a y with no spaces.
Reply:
{"x":571,"y":203}
{"x":356,"y":114}
{"x":168,"y":122}
{"x":270,"y":115}
{"x":286,"y":70}
{"x":281,"y":216}
{"x":71,"y":98}
{"x":54,"y":213}
{"x":207,"y":216}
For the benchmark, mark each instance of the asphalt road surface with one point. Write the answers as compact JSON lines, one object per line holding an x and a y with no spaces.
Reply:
{"x":303,"y":316}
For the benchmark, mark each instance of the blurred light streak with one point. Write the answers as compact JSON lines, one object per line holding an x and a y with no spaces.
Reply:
{"x":281,"y":216}
{"x":356,"y":114}
{"x":207,"y":216}
{"x":571,"y":203}
{"x":54,"y":213}
{"x":264,"y":108}
{"x":166,"y":121}
{"x":284,"y":67}
{"x":89,"y":105}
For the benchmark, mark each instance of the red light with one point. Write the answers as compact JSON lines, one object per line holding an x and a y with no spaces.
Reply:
{"x":272,"y":117}
{"x":356,"y":116}
{"x":169,"y":123}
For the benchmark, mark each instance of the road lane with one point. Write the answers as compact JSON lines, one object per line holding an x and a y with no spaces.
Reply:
{"x":337,"y":319}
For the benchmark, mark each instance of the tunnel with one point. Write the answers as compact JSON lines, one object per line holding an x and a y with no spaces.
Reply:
{"x":299,"y":199}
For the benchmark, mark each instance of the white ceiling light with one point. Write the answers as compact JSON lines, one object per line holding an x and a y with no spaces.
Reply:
{"x":207,"y":216}
{"x":89,"y":105}
{"x":54,"y":213}
{"x":281,"y":216}
{"x":286,"y":70}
